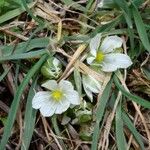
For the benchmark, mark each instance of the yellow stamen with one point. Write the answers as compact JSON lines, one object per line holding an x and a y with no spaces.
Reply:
{"x":100,"y":56}
{"x":57,"y":95}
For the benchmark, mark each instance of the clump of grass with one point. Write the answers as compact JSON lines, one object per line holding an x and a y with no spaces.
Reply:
{"x":33,"y":31}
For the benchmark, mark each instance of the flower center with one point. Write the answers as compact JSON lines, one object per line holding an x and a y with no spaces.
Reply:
{"x":100,"y":56}
{"x":57,"y":95}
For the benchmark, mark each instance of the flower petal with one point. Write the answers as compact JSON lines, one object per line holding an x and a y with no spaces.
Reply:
{"x":48,"y":109}
{"x":91,"y":84}
{"x":90,"y":59}
{"x":50,"y":85}
{"x":89,"y":93}
{"x":94,"y":44}
{"x":114,"y":61}
{"x":65,"y":86}
{"x":39,"y":99}
{"x":62,"y":106}
{"x":73,"y":97}
{"x":110,"y":43}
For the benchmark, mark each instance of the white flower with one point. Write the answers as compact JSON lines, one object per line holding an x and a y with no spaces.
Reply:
{"x":90,"y":85}
{"x":104,"y":54}
{"x":57,"y":100}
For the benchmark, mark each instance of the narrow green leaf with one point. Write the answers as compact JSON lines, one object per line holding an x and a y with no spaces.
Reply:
{"x":74,"y":5}
{"x":99,"y":114}
{"x":15,"y":103}
{"x":133,"y":130}
{"x":57,"y":131}
{"x":130,"y":96}
{"x":29,"y":121}
{"x":28,"y":55}
{"x":4,"y":74}
{"x":31,"y":14}
{"x":140,"y":27}
{"x":106,"y":27}
{"x":121,"y":142}
{"x":13,"y":13}
{"x":24,"y":46}
{"x":123,"y":5}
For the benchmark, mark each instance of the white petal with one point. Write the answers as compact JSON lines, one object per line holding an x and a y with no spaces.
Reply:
{"x":91,"y":84}
{"x":89,"y":93}
{"x":107,"y":67}
{"x":73,"y":97}
{"x":48,"y":109}
{"x":40,"y":98}
{"x":110,"y":43}
{"x":62,"y":106}
{"x":114,"y":61}
{"x":90,"y":59}
{"x":65,"y":86}
{"x":94,"y":44}
{"x":50,"y":85}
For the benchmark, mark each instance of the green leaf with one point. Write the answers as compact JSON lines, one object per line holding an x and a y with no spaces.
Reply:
{"x":28,"y":55}
{"x":106,"y":27}
{"x":57,"y":131}
{"x":24,"y":46}
{"x":4,"y":74}
{"x":140,"y":27}
{"x":74,"y":5}
{"x":15,"y":103}
{"x":121,"y":141}
{"x":99,"y":114}
{"x":123,"y":5}
{"x":13,"y":13}
{"x":29,"y":121}
{"x":133,"y":130}
{"x":130,"y":96}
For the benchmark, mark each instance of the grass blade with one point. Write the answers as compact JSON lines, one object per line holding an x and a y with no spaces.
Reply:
{"x":99,"y":114}
{"x":121,"y":142}
{"x":4,"y":74}
{"x":126,"y":11}
{"x":29,"y":121}
{"x":140,"y":27}
{"x":28,"y":55}
{"x":133,"y":130}
{"x":135,"y":98}
{"x":24,"y":47}
{"x":15,"y":103}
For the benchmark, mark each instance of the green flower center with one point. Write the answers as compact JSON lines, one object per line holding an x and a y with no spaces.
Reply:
{"x":57,"y":95}
{"x":100,"y":57}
